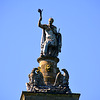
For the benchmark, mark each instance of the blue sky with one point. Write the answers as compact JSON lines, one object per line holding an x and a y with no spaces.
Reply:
{"x":79,"y":21}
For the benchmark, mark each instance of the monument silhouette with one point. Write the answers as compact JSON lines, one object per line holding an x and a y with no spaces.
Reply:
{"x":46,"y":82}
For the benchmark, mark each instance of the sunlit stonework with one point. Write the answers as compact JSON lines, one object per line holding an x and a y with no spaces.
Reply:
{"x":47,"y":77}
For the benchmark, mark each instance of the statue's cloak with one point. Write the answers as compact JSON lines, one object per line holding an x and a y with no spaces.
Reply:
{"x":58,"y":37}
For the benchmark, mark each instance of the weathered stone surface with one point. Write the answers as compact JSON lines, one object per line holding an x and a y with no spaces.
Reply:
{"x":44,"y":96}
{"x":49,"y":58}
{"x":47,"y":77}
{"x":48,"y":67}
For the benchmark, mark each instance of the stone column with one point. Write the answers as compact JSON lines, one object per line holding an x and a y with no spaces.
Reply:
{"x":48,"y":67}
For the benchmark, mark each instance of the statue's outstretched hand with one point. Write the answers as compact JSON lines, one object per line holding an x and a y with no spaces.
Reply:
{"x":40,"y":11}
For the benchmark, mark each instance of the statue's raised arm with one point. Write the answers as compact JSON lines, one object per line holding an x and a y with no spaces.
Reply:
{"x":40,"y":11}
{"x":43,"y":26}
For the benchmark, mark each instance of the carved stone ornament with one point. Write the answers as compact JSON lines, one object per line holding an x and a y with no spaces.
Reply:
{"x":48,"y":67}
{"x":36,"y":83}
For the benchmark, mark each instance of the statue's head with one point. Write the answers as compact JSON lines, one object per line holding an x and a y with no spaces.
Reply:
{"x":51,"y":20}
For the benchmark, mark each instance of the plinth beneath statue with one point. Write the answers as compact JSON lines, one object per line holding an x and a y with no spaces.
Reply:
{"x":49,"y":69}
{"x":45,"y":96}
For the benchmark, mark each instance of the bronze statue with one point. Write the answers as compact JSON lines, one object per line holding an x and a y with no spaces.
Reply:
{"x":51,"y":39}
